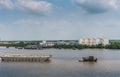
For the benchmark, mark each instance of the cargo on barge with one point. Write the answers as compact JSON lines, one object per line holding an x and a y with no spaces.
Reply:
{"x":25,"y":58}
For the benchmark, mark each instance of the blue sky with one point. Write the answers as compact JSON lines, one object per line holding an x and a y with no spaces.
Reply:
{"x":59,"y":19}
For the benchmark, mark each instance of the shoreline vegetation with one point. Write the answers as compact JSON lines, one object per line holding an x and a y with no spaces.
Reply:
{"x":112,"y":45}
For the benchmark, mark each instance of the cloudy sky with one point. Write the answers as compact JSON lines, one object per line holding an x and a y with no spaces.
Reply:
{"x":59,"y":19}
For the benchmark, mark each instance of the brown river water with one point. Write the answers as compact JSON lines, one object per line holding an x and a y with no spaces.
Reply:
{"x":64,"y":63}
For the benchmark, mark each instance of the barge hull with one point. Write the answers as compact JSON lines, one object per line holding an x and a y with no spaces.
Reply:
{"x":25,"y":58}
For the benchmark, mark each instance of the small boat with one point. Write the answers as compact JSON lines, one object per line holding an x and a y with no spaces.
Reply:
{"x":73,"y":48}
{"x":88,"y":59}
{"x":19,"y":47}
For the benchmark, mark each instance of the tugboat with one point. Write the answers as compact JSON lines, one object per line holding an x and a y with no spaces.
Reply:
{"x":88,"y":59}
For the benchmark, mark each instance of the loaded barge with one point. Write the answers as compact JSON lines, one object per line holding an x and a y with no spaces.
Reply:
{"x":25,"y":58}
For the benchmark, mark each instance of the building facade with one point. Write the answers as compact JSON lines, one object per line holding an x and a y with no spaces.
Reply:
{"x":46,"y":43}
{"x":93,"y":41}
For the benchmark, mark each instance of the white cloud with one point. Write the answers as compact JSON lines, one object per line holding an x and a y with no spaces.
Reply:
{"x":2,"y":26}
{"x":35,"y":6}
{"x":114,"y":4}
{"x":6,"y":4}
{"x":98,"y":6}
{"x":28,"y":22}
{"x":41,"y":29}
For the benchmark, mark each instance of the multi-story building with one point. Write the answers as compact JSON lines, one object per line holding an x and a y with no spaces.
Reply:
{"x":46,"y":44}
{"x":93,"y":41}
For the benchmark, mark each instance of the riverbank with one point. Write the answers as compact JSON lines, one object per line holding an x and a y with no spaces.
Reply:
{"x":36,"y":45}
{"x":112,"y":45}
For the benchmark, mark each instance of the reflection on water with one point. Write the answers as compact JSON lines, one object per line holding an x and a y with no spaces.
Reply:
{"x":64,"y":64}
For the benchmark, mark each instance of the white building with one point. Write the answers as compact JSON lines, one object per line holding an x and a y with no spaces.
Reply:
{"x":93,"y":41}
{"x":45,"y":43}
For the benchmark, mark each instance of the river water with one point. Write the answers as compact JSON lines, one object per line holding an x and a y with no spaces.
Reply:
{"x":64,"y":63}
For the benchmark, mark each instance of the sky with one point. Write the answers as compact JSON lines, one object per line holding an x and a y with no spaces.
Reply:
{"x":59,"y":19}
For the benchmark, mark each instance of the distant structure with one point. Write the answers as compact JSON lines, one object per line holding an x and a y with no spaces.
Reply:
{"x":93,"y":41}
{"x":50,"y":43}
{"x":32,"y":47}
{"x":46,"y":43}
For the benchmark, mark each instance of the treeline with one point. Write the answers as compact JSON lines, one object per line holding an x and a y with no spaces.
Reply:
{"x":68,"y":46}
{"x":112,"y":45}
{"x":78,"y":46}
{"x":20,"y":44}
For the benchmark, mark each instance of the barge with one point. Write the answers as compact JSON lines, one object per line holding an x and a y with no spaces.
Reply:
{"x":25,"y":58}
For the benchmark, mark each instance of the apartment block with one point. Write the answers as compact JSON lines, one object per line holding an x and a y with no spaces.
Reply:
{"x":93,"y":41}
